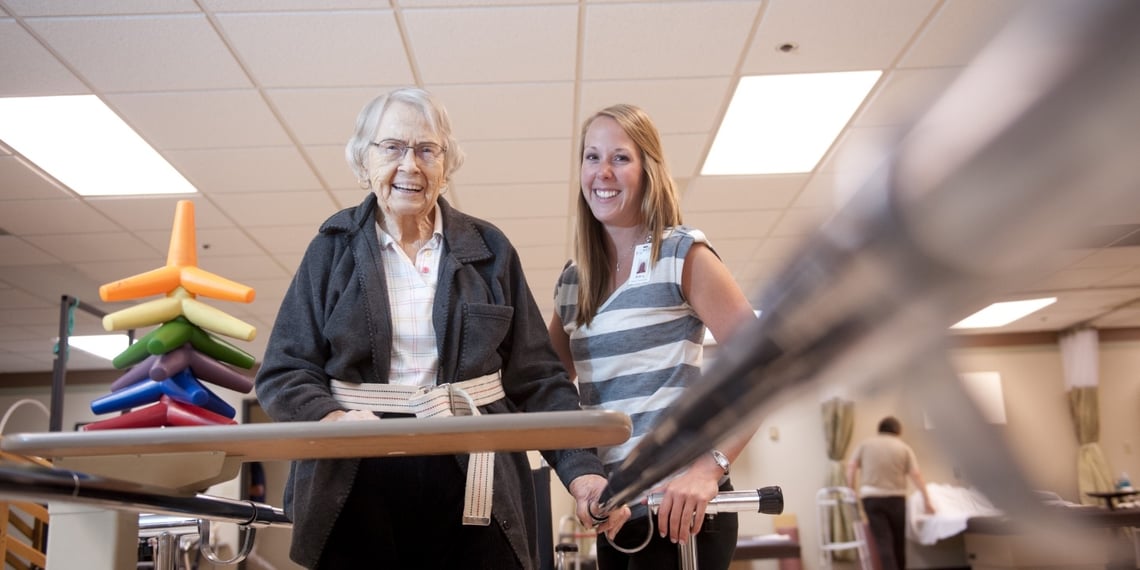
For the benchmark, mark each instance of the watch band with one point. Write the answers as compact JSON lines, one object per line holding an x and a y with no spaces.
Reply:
{"x":721,"y":460}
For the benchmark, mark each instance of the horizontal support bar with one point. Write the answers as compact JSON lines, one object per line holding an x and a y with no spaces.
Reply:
{"x":42,"y":484}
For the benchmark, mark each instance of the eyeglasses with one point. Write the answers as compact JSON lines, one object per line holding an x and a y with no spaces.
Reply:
{"x":392,"y":150}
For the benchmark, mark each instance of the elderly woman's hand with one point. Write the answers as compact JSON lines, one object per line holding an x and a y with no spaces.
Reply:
{"x":349,"y":416}
{"x":586,"y":491}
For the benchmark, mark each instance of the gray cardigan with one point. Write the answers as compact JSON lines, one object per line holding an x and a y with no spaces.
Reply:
{"x":334,"y":323}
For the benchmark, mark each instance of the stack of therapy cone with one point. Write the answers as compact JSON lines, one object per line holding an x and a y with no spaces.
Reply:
{"x":164,"y":385}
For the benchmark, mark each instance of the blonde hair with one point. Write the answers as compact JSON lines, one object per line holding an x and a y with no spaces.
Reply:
{"x":660,"y":208}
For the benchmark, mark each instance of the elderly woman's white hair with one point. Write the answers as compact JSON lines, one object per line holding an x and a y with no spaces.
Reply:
{"x":368,"y":121}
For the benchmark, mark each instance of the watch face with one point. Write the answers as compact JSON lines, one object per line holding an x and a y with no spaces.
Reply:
{"x":721,"y":459}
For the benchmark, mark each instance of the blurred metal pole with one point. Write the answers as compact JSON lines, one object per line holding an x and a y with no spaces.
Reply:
{"x":1040,"y":134}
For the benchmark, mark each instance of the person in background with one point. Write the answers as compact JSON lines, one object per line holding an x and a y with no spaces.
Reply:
{"x":394,"y":299}
{"x":886,"y":462}
{"x":630,"y":316}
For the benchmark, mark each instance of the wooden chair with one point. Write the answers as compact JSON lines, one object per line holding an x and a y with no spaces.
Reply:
{"x":23,"y":532}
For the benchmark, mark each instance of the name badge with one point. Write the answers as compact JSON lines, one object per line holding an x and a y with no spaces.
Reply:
{"x":640,"y":273}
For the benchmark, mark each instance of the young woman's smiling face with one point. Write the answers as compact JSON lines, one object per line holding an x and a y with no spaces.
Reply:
{"x":406,"y":186}
{"x":612,"y":177}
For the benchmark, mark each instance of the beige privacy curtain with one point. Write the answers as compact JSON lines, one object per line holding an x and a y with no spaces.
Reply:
{"x":838,"y":425}
{"x":1079,"y":355}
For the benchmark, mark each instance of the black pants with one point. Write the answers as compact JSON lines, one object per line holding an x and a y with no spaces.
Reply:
{"x":716,"y":544}
{"x":886,"y":516}
{"x":387,"y":524}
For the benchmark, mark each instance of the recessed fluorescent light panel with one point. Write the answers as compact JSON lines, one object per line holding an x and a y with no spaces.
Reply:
{"x":82,"y":143}
{"x":780,"y":124}
{"x":1001,"y":314}
{"x":102,"y":345}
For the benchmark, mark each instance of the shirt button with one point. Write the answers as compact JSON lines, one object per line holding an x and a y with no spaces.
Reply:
{"x":505,"y":524}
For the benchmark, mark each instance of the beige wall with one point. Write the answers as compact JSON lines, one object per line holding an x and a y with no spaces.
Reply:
{"x":788,"y":450}
{"x":1038,"y":430}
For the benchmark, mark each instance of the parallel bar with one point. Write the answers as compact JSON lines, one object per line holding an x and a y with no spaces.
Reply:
{"x":1037,"y":137}
{"x":43,"y":484}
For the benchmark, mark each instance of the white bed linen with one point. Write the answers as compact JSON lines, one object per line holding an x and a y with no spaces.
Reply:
{"x":952,"y":505}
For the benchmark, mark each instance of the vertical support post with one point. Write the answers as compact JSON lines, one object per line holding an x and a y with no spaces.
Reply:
{"x":59,"y":367}
{"x":687,"y":553}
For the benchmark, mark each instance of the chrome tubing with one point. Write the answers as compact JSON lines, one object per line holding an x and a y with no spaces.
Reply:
{"x":1036,"y":137}
{"x":43,"y":484}
{"x":766,"y":500}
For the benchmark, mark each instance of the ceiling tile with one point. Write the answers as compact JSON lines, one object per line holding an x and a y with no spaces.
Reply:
{"x":830,"y":36}
{"x":531,"y":232}
{"x":776,"y":248}
{"x":729,"y":193}
{"x":1111,"y":257}
{"x":800,"y":221}
{"x":497,"y":162}
{"x":283,"y":239}
{"x":1130,"y":278}
{"x":349,"y":198}
{"x":735,"y":251}
{"x":24,"y":183}
{"x":219,"y":171}
{"x":322,"y":116}
{"x":281,"y":5}
{"x":27,"y":69}
{"x":39,"y":217}
{"x":505,"y":201}
{"x":958,"y":31}
{"x":729,"y":225}
{"x":684,"y":152}
{"x":508,"y":110}
{"x":210,"y":243}
{"x":13,"y":298}
{"x":50,"y":282}
{"x":550,"y":257}
{"x":668,"y":40}
{"x":157,"y":212}
{"x":288,"y":208}
{"x":16,"y":252}
{"x":143,"y":53}
{"x":1076,"y":278}
{"x":38,"y":315}
{"x":332,"y":167}
{"x":903,"y":96}
{"x":241,"y":268}
{"x":827,"y":190}
{"x":211,"y":119}
{"x":102,"y":7}
{"x":109,"y":271}
{"x":856,"y":154}
{"x":441,"y":3}
{"x":531,"y":43}
{"x":75,"y":248}
{"x":299,"y":49}
{"x":675,"y":105}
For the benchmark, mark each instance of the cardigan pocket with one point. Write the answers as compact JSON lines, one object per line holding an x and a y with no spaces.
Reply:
{"x":484,"y":329}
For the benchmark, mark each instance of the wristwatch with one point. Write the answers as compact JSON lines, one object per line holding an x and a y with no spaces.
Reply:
{"x":721,"y":460}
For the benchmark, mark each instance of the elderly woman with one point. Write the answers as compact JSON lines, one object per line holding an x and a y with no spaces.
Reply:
{"x":398,"y":293}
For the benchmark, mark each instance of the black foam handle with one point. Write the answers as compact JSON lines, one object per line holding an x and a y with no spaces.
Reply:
{"x":771,"y":500}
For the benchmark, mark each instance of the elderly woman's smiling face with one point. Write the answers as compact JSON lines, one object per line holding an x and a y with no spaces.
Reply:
{"x":405,"y":162}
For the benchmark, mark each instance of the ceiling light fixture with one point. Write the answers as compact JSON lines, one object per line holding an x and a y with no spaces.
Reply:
{"x":106,"y":346}
{"x":1001,"y":314}
{"x":82,"y":143}
{"x":781,"y":124}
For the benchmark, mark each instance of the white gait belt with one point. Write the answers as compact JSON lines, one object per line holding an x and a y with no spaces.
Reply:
{"x":457,"y":399}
